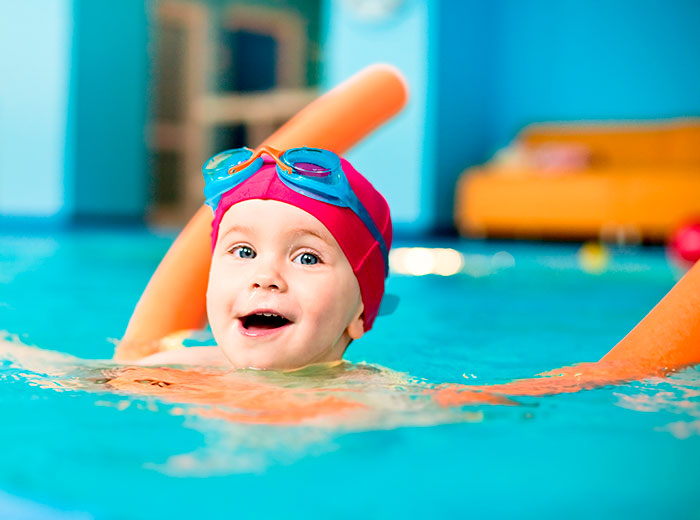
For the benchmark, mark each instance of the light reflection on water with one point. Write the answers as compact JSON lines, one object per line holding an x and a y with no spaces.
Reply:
{"x":677,"y":396}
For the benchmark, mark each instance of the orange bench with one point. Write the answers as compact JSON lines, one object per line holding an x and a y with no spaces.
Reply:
{"x":625,"y":181}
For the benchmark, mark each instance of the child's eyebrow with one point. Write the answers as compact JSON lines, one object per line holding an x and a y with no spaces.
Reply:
{"x":244,"y":230}
{"x":305,"y":231}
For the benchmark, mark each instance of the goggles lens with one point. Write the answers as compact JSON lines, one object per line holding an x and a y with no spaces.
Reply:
{"x":310,"y":169}
{"x":218,"y":166}
{"x":312,"y":162}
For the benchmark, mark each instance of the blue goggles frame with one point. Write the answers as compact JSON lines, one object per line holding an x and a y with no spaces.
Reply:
{"x":312,"y":172}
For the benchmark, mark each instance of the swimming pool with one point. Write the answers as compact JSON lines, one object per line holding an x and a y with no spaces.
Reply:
{"x":516,"y":309}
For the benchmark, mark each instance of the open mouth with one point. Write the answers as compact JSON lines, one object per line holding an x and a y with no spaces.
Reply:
{"x":263,"y":321}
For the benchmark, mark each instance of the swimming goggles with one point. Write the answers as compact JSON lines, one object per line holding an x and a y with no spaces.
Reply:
{"x":312,"y":172}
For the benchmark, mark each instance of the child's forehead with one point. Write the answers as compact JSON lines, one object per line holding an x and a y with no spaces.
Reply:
{"x":271,"y":216}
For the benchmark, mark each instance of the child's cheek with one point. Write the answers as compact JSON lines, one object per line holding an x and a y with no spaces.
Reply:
{"x":219,"y":300}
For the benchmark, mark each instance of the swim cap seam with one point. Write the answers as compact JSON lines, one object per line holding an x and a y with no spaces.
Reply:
{"x":367,"y":255}
{"x":387,"y":219}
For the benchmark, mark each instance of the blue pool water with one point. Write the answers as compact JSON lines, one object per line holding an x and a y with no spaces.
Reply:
{"x":73,"y":449}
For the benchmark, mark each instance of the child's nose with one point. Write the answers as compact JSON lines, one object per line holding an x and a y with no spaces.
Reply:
{"x":268,"y":277}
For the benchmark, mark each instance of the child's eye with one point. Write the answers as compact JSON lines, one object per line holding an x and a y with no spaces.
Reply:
{"x":242,"y":252}
{"x":307,"y":259}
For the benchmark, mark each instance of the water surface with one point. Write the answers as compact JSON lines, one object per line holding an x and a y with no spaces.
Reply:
{"x":75,"y":445}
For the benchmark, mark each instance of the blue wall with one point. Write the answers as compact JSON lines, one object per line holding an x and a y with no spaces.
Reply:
{"x":73,"y":109}
{"x":398,"y":158}
{"x":73,"y":100}
{"x":111,"y":82}
{"x":35,"y":38}
{"x":599,"y":59}
{"x":495,"y":67}
{"x":464,"y":94}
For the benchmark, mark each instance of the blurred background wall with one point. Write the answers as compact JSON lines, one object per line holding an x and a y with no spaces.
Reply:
{"x":107,"y":109}
{"x":35,"y":118}
{"x":110,"y":101}
{"x":593,"y":60}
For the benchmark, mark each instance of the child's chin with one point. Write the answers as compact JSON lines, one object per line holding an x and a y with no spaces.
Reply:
{"x":263,"y":361}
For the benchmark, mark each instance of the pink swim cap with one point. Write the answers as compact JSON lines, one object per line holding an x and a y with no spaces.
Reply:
{"x":355,"y":240}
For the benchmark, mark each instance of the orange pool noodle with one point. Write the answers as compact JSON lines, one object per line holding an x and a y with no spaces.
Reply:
{"x":175,"y":296}
{"x":668,"y":338}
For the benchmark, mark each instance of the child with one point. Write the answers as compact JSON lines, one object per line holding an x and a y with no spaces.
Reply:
{"x":300,"y":252}
{"x":300,"y":246}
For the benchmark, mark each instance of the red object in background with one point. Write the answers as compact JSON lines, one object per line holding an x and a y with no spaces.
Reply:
{"x":684,"y":243}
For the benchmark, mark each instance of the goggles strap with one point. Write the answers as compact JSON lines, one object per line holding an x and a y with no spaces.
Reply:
{"x":265,"y":149}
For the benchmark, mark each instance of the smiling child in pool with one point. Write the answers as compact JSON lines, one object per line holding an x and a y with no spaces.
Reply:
{"x":300,"y":246}
{"x":300,"y":253}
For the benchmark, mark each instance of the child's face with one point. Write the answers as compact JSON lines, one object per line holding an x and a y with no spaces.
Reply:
{"x":274,"y":258}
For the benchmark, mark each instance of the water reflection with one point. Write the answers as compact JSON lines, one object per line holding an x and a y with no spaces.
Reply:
{"x":677,"y":396}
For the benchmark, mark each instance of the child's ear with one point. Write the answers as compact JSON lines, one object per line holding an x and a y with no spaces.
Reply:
{"x":356,"y":328}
